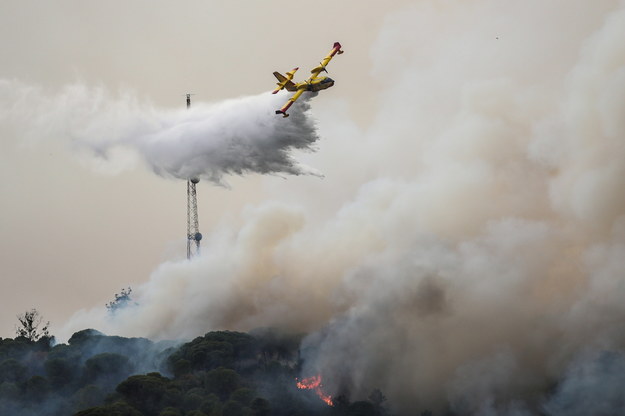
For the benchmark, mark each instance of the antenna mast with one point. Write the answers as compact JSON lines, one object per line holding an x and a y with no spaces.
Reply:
{"x":193,"y":226}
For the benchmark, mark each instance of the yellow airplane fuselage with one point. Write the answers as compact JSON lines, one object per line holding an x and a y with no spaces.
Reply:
{"x":317,"y":84}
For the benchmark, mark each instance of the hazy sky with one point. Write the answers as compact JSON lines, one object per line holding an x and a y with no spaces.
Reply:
{"x":471,"y":210}
{"x":70,"y":237}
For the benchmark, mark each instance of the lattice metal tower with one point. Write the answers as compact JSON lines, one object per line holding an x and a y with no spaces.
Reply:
{"x":193,"y":226}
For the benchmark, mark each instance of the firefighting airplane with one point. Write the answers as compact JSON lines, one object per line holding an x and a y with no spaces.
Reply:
{"x":314,"y":83}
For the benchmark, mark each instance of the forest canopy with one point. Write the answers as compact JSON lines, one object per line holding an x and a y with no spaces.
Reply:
{"x":222,"y":373}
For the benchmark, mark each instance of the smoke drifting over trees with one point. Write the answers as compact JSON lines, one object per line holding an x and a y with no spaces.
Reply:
{"x":472,"y":260}
{"x":219,"y":374}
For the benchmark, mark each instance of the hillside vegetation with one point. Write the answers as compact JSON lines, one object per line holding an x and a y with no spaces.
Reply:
{"x":219,"y":374}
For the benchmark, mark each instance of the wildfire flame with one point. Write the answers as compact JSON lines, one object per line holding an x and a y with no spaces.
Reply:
{"x":314,"y":383}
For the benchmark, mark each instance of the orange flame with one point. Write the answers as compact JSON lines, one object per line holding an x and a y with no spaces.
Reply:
{"x":314,"y":383}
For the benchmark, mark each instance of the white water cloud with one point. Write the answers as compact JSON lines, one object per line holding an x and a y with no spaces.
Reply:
{"x":208,"y":141}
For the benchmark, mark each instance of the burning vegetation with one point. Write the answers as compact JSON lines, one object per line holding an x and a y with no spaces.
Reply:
{"x":314,"y":383}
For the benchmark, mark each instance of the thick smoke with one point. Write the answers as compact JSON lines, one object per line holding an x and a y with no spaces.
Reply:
{"x":476,"y":261}
{"x":236,"y":136}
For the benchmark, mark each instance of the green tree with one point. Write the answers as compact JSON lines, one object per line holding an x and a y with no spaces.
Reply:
{"x":170,"y":411}
{"x":192,"y":401}
{"x":260,"y":407}
{"x":115,"y":409}
{"x":211,"y":405}
{"x":213,"y":350}
{"x":180,"y":367}
{"x":60,"y":371}
{"x":12,"y":371}
{"x":222,"y":382}
{"x":195,"y":413}
{"x":88,"y":396}
{"x":277,"y":346}
{"x":232,"y":408}
{"x":36,"y":389}
{"x":144,"y":392}
{"x":107,"y":368}
{"x":243,"y":396}
{"x":29,"y":326}
{"x":173,"y":396}
{"x":84,"y":336}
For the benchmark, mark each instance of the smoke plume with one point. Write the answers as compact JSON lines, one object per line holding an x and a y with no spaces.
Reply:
{"x":473,"y":259}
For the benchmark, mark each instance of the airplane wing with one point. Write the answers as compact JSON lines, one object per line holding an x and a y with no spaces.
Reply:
{"x":322,"y":65}
{"x":290,"y":102}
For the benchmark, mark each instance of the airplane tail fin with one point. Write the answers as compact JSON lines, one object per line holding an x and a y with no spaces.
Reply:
{"x":285,"y":82}
{"x":288,"y":85}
